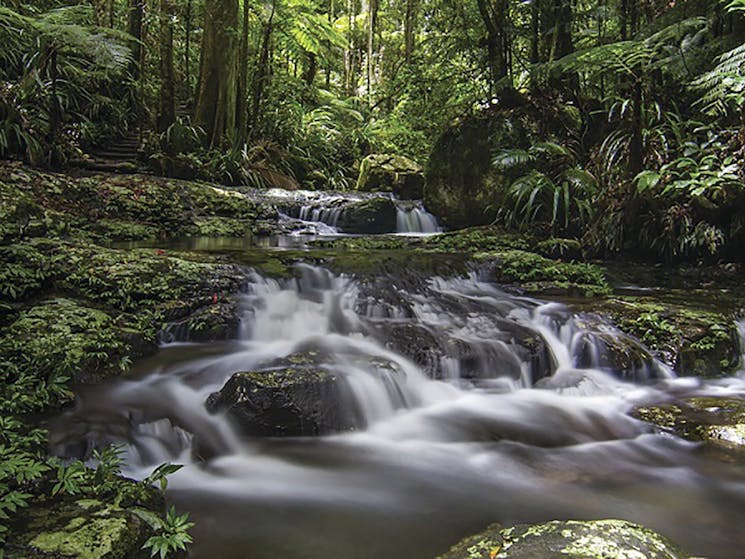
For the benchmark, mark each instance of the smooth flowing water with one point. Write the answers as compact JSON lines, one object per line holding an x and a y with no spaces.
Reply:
{"x":476,"y":406}
{"x":321,"y":213}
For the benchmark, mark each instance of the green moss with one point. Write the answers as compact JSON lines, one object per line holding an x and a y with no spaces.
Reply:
{"x":116,"y":207}
{"x":62,"y":337}
{"x":538,"y":274}
{"x":81,"y":529}
{"x":591,"y":539}
{"x":716,"y":421}
{"x":694,"y":341}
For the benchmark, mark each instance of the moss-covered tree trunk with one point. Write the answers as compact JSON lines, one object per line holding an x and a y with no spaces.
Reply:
{"x":216,"y":98}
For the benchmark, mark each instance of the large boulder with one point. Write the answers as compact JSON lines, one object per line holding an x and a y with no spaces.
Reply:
{"x":462,"y":188}
{"x":589,"y":539}
{"x":295,"y":396}
{"x":373,"y":216}
{"x":391,"y":173}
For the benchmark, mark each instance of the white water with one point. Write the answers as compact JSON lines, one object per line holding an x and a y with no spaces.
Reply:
{"x":415,"y":220}
{"x":436,"y":459}
{"x":318,"y":212}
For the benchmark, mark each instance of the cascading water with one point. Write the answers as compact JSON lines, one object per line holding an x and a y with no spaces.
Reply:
{"x":528,"y":423}
{"x":322,"y":213}
{"x":413,"y":219}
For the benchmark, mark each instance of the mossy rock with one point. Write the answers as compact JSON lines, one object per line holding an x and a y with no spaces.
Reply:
{"x":691,"y":340}
{"x":369,"y":217}
{"x":462,"y":188}
{"x":290,"y":397}
{"x":64,"y":337}
{"x":589,"y":539}
{"x":114,"y":207}
{"x":539,"y":275}
{"x":718,"y":422}
{"x":79,"y":528}
{"x":219,"y":321}
{"x":391,"y":173}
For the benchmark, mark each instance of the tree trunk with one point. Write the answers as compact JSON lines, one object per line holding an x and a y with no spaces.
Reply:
{"x":372,"y":23}
{"x":262,"y":70}
{"x":636,"y":151}
{"x":535,"y":24}
{"x":134,"y":28}
{"x":167,"y":105}
{"x":187,"y":45}
{"x":311,"y":69}
{"x":242,"y":107}
{"x":494,"y":17}
{"x":215,"y":109}
{"x":410,"y":28}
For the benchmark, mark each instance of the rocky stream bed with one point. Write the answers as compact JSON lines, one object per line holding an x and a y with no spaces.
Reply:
{"x":372,"y":395}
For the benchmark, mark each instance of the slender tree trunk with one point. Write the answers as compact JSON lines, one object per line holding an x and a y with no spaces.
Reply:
{"x":216,"y":101}
{"x":187,"y":44}
{"x":410,"y":29}
{"x":372,"y":24}
{"x":535,"y":22}
{"x":134,"y":28}
{"x":242,"y":108}
{"x":262,"y":70}
{"x":349,"y":68}
{"x":167,"y":105}
{"x":622,"y":19}
{"x":636,"y":152}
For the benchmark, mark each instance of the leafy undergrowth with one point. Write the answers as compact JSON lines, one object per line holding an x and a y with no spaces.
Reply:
{"x":75,"y":312}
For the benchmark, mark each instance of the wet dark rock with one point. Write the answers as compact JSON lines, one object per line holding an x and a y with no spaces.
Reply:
{"x":717,"y":422}
{"x":605,"y":347}
{"x":369,"y":217}
{"x":292,"y":397}
{"x":219,"y":321}
{"x":391,"y":173}
{"x":573,"y":539}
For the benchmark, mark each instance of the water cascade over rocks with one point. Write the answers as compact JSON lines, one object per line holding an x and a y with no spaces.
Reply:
{"x":329,"y":213}
{"x":391,"y":417}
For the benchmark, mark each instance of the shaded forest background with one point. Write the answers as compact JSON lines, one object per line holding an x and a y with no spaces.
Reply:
{"x":617,"y":123}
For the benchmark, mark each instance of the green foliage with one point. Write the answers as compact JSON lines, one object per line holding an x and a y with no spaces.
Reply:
{"x":545,"y":188}
{"x":59,"y":75}
{"x":172,"y":535}
{"x":160,"y":475}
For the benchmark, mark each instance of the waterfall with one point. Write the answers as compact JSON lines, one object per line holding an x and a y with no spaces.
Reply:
{"x":468,"y":398}
{"x":413,"y":218}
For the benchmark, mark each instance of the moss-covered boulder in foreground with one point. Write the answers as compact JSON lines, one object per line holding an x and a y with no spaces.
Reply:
{"x":718,"y":422}
{"x":391,"y":173}
{"x":87,"y":527}
{"x":571,"y":539}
